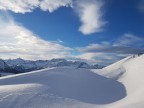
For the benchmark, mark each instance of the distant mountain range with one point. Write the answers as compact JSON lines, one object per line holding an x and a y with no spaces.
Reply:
{"x":20,"y":65}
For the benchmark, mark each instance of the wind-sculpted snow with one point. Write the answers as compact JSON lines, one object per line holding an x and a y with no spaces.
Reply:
{"x":119,"y":85}
{"x":78,"y":85}
{"x":130,"y":72}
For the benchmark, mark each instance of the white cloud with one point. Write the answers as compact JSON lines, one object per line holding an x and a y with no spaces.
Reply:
{"x":91,"y":58}
{"x":18,"y":41}
{"x":100,"y":58}
{"x":89,"y":11}
{"x":52,"y":5}
{"x":109,"y":52}
{"x":23,"y":6}
{"x":129,"y":40}
{"x":19,"y":6}
{"x":126,"y":44}
{"x":90,"y":14}
{"x":112,"y":49}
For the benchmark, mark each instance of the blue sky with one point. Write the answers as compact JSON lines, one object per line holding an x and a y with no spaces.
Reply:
{"x":96,"y":31}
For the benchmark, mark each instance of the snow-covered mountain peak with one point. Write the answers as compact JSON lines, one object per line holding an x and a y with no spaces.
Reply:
{"x":16,"y":61}
{"x":21,"y":65}
{"x":58,"y":60}
{"x":3,"y":65}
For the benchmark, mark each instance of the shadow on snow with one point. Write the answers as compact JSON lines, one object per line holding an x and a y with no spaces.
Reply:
{"x":78,"y":84}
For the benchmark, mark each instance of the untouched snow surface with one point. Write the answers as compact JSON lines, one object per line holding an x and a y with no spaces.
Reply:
{"x":117,"y":86}
{"x":130,"y":72}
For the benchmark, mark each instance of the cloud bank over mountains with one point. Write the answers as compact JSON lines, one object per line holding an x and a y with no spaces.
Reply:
{"x":112,"y":51}
{"x":126,"y":44}
{"x":18,"y":41}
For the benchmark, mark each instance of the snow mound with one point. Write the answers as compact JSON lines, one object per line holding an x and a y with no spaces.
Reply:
{"x":62,"y":86}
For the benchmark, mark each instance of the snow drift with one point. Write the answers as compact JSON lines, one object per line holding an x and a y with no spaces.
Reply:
{"x":119,"y":85}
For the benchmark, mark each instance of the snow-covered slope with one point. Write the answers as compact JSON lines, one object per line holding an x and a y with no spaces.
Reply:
{"x":59,"y":88}
{"x":130,"y":72}
{"x":133,"y":79}
{"x":118,"y":86}
{"x":115,"y":70}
